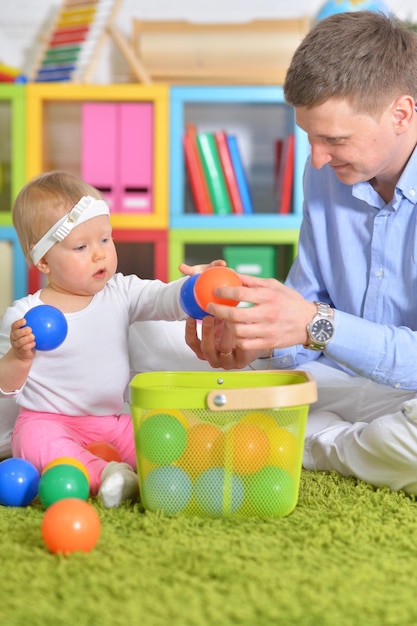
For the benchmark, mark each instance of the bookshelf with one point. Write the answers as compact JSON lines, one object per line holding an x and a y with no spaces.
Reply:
{"x":155,"y":223}
{"x":12,"y":178}
{"x":55,"y":118}
{"x":204,"y":245}
{"x":115,"y":137}
{"x":258,"y":116}
{"x":12,"y":146}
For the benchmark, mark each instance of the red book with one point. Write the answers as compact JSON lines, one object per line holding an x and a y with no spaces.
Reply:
{"x":228,"y":171}
{"x":277,"y":169}
{"x":286,"y":174}
{"x":194,"y":167}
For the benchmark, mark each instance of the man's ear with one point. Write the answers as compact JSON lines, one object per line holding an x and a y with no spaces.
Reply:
{"x":403,"y":111}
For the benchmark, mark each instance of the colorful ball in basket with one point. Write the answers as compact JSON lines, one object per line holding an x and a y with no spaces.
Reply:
{"x":70,"y":525}
{"x":48,"y":325}
{"x":161,"y":438}
{"x":246,"y":448}
{"x":204,"y":448}
{"x":168,"y":489}
{"x":285,"y":449}
{"x":19,"y":482}
{"x":219,"y":493}
{"x":271,"y":492}
{"x":209,"y":280}
{"x":188,"y":301}
{"x":61,"y":482}
{"x":67,"y":460}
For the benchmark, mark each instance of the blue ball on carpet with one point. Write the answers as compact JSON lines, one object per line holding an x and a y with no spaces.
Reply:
{"x":19,"y":481}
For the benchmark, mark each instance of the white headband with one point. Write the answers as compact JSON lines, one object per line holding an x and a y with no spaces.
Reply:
{"x":87,"y":208}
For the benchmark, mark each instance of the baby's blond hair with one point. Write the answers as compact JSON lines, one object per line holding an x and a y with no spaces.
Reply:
{"x":43,"y":201}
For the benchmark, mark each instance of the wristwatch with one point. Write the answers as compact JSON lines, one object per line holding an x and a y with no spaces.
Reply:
{"x":321,"y":328}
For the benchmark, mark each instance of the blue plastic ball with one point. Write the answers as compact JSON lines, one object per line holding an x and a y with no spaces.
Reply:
{"x":19,"y":481}
{"x":168,"y":489}
{"x":188,"y":301}
{"x":48,"y":325}
{"x":218,"y":492}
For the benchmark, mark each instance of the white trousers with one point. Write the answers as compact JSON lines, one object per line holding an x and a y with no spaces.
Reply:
{"x":363,"y":429}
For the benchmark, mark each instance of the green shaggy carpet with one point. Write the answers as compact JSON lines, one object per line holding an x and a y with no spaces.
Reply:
{"x":346,"y":556}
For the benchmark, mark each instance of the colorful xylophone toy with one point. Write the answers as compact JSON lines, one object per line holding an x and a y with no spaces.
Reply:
{"x":77,"y":34}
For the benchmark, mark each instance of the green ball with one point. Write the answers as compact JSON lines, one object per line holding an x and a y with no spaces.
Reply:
{"x":271,"y":492}
{"x":161,"y":439}
{"x":62,"y":481}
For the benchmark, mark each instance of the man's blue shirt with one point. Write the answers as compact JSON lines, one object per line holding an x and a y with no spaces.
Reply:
{"x":359,"y":255}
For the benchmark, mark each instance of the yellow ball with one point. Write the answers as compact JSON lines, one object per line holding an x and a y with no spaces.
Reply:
{"x":173,"y":412}
{"x":285,"y":448}
{"x":67,"y":460}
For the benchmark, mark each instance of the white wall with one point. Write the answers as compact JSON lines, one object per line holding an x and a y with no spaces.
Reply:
{"x":23,"y":21}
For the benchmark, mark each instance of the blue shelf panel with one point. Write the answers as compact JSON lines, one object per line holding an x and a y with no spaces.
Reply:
{"x":20,"y":271}
{"x":236,"y":222}
{"x":181,"y":97}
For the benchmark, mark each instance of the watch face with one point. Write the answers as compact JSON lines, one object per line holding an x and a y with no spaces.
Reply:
{"x":322,"y":331}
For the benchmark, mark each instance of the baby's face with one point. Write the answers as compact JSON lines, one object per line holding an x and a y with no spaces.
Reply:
{"x":85,"y":260}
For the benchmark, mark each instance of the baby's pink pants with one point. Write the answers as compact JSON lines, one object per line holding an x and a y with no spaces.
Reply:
{"x":43,"y":437}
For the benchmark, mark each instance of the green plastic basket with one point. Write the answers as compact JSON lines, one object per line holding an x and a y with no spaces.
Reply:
{"x":218,"y":445}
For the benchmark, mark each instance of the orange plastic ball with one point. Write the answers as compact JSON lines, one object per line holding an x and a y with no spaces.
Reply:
{"x":203,"y":449}
{"x":104,"y":450}
{"x":68,"y":460}
{"x":285,"y":447}
{"x":246,"y":448}
{"x":209,"y":280}
{"x":70,"y":525}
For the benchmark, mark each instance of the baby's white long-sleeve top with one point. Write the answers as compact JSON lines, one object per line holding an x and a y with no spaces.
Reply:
{"x":89,"y":372}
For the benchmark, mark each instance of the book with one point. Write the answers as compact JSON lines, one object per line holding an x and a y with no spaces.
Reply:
{"x":194,"y":167}
{"x":240,"y":174}
{"x":284,"y":169}
{"x":228,"y":171}
{"x":214,"y":173}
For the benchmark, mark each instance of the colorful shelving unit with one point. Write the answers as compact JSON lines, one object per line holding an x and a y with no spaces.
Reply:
{"x":54,"y":116}
{"x":12,"y":175}
{"x":127,"y":141}
{"x":114,"y":136}
{"x":12,"y":146}
{"x":258,"y":116}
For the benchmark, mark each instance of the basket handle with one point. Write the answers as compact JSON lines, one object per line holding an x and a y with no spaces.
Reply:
{"x":262,"y":397}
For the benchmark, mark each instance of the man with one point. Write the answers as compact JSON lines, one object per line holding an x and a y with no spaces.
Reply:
{"x":348,"y":310}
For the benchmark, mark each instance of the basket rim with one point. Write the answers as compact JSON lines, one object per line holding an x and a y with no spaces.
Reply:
{"x":201,"y":390}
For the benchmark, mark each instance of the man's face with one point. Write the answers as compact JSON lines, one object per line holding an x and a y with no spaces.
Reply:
{"x":357,"y":146}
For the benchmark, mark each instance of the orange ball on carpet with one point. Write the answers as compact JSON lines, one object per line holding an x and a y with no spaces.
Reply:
{"x":104,"y":450}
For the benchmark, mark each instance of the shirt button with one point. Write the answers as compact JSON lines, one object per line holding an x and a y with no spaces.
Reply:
{"x":379,"y":273}
{"x":397,"y":385}
{"x":412,"y":191}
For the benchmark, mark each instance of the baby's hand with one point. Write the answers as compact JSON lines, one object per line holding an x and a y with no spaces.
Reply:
{"x":190,"y":270}
{"x":22,"y":340}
